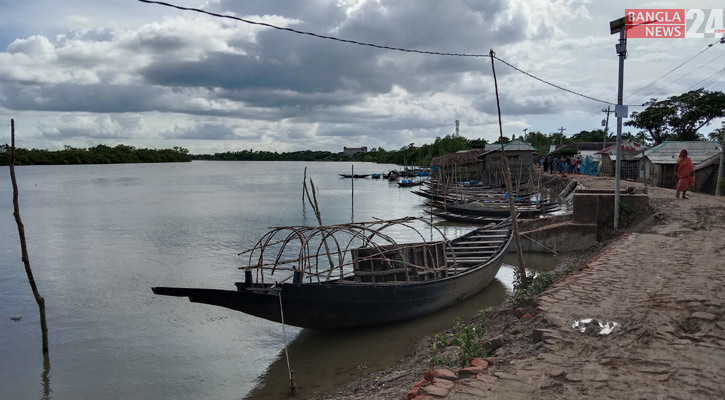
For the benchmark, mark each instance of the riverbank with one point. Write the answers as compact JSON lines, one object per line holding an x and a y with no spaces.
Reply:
{"x":660,"y":281}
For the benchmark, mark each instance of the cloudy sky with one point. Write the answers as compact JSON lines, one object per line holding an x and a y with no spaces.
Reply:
{"x":82,"y":73}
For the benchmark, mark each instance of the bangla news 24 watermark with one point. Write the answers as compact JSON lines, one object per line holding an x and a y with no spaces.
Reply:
{"x":692,"y":23}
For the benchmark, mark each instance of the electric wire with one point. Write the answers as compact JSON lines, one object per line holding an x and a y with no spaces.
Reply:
{"x":708,"y":81}
{"x":698,"y":67}
{"x":355,"y":42}
{"x":673,"y":69}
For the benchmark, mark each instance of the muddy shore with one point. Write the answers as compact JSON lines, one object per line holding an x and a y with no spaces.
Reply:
{"x":523,"y":355}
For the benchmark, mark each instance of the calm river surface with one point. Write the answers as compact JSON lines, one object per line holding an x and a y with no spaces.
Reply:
{"x":100,"y":236}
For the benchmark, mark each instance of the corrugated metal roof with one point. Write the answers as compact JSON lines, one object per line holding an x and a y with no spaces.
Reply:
{"x":713,"y":160}
{"x":587,"y":148}
{"x":516,"y":145}
{"x":667,"y":152}
{"x":459,"y":158}
{"x":628,"y":146}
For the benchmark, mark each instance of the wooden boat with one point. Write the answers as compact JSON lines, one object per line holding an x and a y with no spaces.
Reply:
{"x":501,"y":210}
{"x":463,"y":197}
{"x":409,"y":183}
{"x":468,"y":219}
{"x":376,"y":176}
{"x":354,"y":175}
{"x":379,"y":283}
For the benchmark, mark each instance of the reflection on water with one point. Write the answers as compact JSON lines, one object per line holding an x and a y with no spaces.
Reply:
{"x":101,"y":236}
{"x":46,"y":378}
{"x":324,"y":360}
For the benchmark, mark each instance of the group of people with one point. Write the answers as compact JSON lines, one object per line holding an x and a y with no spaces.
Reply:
{"x":561,"y":164}
{"x":684,"y":169}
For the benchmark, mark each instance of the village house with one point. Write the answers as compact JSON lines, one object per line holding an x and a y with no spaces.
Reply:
{"x":520,"y":157}
{"x":459,"y":166}
{"x":658,"y":166}
{"x":631,"y":153}
{"x":584,"y":149}
{"x":353,"y":150}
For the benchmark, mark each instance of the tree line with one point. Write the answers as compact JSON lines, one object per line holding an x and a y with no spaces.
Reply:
{"x":100,"y":154}
{"x":678,"y":117}
{"x":410,"y":155}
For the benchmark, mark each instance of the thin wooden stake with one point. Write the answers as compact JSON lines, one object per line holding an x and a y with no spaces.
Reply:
{"x":23,"y":247}
{"x":521,"y":269}
{"x":304,"y":183}
{"x":316,"y":208}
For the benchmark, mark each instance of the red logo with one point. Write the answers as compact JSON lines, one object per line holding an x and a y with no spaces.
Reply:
{"x":655,"y":23}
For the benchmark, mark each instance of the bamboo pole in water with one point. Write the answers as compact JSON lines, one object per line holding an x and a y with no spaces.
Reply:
{"x":23,"y":247}
{"x":304,"y":182}
{"x":315,"y":207}
{"x":521,"y":270}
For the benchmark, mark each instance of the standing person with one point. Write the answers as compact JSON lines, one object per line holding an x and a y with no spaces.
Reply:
{"x":578,"y":164}
{"x":685,"y":173}
{"x":572,"y":161}
{"x":554,"y":164}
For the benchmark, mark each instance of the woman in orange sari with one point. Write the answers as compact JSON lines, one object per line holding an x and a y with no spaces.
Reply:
{"x":685,"y":172}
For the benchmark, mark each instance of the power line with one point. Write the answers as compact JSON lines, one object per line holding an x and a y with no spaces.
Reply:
{"x":673,"y":69}
{"x":552,"y":84}
{"x":710,"y":80}
{"x":698,"y":67}
{"x":355,"y":42}
{"x":436,"y":53}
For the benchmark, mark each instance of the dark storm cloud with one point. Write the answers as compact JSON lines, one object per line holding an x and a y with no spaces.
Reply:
{"x":280,"y":63}
{"x":519,"y":103}
{"x":304,"y":69}
{"x":88,"y":98}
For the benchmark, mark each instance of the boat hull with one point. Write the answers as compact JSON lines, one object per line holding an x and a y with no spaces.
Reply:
{"x":341,"y":305}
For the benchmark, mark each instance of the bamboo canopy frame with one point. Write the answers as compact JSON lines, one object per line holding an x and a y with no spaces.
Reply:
{"x":300,"y":248}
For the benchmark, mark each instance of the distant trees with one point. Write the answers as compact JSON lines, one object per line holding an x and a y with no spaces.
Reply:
{"x":251,"y":155}
{"x":596,"y":135}
{"x":100,"y":154}
{"x":679,"y":117}
{"x":539,"y":140}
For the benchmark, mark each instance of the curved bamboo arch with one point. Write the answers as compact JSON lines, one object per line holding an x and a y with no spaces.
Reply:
{"x":357,"y":235}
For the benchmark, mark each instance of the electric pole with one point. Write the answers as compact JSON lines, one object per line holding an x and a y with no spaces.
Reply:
{"x":605,"y":124}
{"x":561,"y":138}
{"x":620,"y":111}
{"x":718,"y":186}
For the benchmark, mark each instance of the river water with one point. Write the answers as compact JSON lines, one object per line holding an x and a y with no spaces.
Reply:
{"x":100,"y":236}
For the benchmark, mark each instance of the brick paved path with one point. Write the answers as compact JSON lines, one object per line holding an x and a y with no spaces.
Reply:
{"x":666,"y":289}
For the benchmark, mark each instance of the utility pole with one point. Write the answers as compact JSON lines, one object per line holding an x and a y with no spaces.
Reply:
{"x":525,"y":138}
{"x":718,"y":186}
{"x":618,"y":26}
{"x":605,"y":124}
{"x":561,"y":130}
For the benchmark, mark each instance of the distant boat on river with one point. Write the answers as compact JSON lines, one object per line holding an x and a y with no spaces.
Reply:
{"x":409,"y":182}
{"x":354,"y":175}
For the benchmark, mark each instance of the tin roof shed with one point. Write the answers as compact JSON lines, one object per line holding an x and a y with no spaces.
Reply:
{"x":667,"y":152}
{"x":515,"y":145}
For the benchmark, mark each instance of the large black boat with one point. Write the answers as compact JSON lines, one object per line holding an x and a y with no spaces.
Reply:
{"x":371,"y":278}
